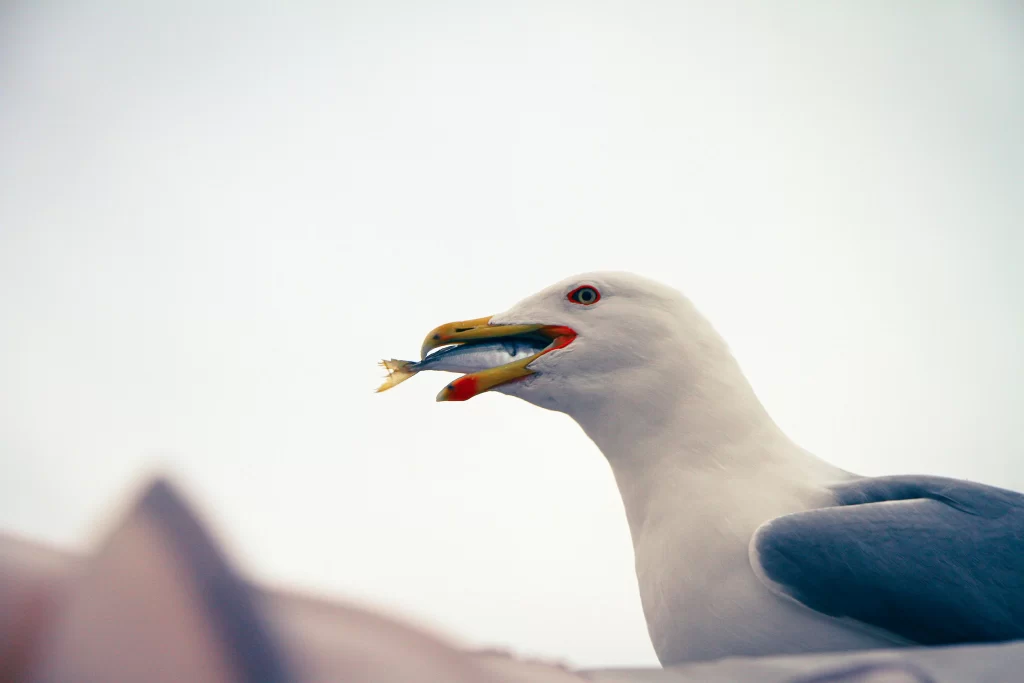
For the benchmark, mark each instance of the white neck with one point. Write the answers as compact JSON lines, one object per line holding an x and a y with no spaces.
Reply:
{"x":671,"y":435}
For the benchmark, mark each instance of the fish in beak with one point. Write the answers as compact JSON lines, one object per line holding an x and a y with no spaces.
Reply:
{"x":481,"y":331}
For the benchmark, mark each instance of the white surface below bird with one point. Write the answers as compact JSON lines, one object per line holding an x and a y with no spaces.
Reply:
{"x":745,"y":543}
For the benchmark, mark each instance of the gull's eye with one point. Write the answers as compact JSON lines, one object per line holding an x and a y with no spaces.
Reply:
{"x":584,"y":295}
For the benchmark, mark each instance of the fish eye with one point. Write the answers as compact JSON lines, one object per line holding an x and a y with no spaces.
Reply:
{"x":585,"y":295}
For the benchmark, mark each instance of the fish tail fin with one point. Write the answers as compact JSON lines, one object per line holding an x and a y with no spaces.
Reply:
{"x":398,"y":372}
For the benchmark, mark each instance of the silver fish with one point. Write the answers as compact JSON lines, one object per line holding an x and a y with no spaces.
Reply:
{"x":465,"y":358}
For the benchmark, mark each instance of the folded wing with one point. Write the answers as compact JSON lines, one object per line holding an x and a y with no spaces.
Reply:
{"x":929,"y":559}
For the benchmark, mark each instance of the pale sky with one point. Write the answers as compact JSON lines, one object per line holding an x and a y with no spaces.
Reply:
{"x":216,"y":219}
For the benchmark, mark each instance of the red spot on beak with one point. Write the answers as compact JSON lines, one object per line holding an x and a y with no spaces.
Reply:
{"x":462,"y":389}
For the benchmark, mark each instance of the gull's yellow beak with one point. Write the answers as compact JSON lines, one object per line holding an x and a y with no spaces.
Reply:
{"x":468,"y":386}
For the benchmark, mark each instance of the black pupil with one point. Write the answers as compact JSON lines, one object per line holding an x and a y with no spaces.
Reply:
{"x":586,"y":295}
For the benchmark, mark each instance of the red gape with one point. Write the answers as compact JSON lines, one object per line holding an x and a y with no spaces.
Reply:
{"x":563,"y":336}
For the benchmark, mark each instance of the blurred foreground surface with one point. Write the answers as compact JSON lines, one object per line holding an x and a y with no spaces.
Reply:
{"x":158,"y":601}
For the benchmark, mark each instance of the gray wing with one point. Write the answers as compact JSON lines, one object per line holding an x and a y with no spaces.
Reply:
{"x":933,"y":560}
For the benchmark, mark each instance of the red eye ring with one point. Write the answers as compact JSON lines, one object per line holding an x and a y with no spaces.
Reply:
{"x":584,"y":295}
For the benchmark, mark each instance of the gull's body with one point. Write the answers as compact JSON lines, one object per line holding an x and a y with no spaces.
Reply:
{"x":700,"y":597}
{"x":700,"y":466}
{"x":745,"y":543}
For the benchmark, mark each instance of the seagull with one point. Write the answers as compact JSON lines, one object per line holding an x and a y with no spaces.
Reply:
{"x":745,"y":543}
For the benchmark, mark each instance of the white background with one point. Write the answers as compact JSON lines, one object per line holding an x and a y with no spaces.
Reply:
{"x":216,"y":219}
